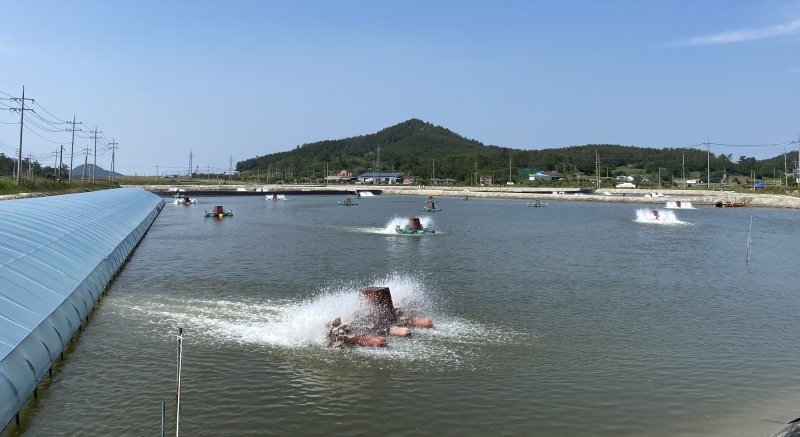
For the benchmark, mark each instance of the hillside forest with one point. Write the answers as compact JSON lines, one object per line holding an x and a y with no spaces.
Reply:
{"x":429,"y":152}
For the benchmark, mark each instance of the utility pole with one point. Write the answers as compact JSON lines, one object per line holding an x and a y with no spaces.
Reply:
{"x":597,"y":167}
{"x":785,"y":167}
{"x":796,"y":169}
{"x":72,"y":147}
{"x":708,"y":158}
{"x":509,"y":166}
{"x":113,"y":145}
{"x":60,"y":163}
{"x":85,"y":163}
{"x":21,"y":110}
{"x":683,"y":168}
{"x":94,"y":166}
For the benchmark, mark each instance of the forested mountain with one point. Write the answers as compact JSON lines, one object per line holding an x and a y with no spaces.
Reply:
{"x":418,"y":148}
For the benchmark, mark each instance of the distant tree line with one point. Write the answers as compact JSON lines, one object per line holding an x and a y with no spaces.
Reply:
{"x":421,"y":149}
{"x":37,"y":170}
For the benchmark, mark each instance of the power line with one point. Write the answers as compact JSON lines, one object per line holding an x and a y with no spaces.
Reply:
{"x":50,"y":113}
{"x":747,"y":145}
{"x":28,"y":129}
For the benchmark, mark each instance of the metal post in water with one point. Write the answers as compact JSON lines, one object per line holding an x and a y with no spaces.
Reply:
{"x":178,"y":388}
{"x":749,"y":232}
{"x":163,"y":416}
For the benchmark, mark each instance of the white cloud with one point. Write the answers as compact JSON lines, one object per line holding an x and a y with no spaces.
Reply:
{"x":744,"y":35}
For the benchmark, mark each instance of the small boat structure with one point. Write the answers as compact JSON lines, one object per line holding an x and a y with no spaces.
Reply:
{"x":735,"y":203}
{"x":218,"y":212}
{"x":537,"y":204}
{"x":184,"y":200}
{"x":372,"y":329}
{"x":348,"y":202}
{"x":414,"y":226}
{"x":275,"y":196}
{"x":430,"y":206}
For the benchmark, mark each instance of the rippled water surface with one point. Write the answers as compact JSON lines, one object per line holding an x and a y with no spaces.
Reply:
{"x":575,"y":319}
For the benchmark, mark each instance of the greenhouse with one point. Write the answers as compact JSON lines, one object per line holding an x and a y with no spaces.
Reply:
{"x":57,"y":255}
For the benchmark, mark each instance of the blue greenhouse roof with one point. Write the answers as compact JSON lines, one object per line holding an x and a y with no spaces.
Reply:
{"x":57,"y":254}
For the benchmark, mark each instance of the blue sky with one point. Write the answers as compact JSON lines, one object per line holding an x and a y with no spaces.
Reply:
{"x":246,"y":78}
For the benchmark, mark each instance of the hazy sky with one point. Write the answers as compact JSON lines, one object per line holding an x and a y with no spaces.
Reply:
{"x":246,"y":78}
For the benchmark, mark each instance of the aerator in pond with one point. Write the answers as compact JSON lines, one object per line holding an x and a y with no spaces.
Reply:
{"x":382,"y":319}
{"x":414,"y":226}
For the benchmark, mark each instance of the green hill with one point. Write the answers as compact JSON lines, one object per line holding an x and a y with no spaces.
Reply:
{"x":409,"y":147}
{"x":419,"y":148}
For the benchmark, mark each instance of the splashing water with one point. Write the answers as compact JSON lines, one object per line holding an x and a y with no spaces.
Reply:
{"x":657,"y":216}
{"x":679,"y":204}
{"x":391,"y":226}
{"x":301,"y":324}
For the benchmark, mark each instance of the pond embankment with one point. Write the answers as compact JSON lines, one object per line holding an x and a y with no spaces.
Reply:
{"x":629,"y":195}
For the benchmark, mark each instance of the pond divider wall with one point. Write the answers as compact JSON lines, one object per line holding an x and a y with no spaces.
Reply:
{"x":57,"y":255}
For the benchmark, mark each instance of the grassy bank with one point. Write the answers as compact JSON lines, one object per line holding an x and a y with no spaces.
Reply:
{"x":50,"y":187}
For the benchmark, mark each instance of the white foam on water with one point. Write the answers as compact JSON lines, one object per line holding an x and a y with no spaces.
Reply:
{"x":394,"y":222}
{"x":657,"y":216}
{"x":301,"y":324}
{"x":683,"y":205}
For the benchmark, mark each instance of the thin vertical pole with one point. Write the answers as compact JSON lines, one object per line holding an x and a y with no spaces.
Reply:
{"x":683,"y":168}
{"x":163,"y":417}
{"x":21,"y":119}
{"x":178,"y":389}
{"x":708,"y":159}
{"x":72,"y":147}
{"x":60,"y":163}
{"x":94,"y":166}
{"x":749,"y":233}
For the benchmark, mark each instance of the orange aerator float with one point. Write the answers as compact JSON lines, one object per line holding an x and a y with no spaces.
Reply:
{"x":381,"y":320}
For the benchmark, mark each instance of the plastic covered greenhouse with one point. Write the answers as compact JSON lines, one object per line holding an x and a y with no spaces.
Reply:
{"x":57,"y":255}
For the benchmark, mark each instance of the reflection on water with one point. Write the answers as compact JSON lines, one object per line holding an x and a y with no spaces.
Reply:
{"x":573,"y":319}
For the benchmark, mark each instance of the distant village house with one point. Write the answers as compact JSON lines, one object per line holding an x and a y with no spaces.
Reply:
{"x":380,"y":178}
{"x":344,"y":177}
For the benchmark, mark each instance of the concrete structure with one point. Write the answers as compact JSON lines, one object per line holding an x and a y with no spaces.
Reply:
{"x":381,"y":178}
